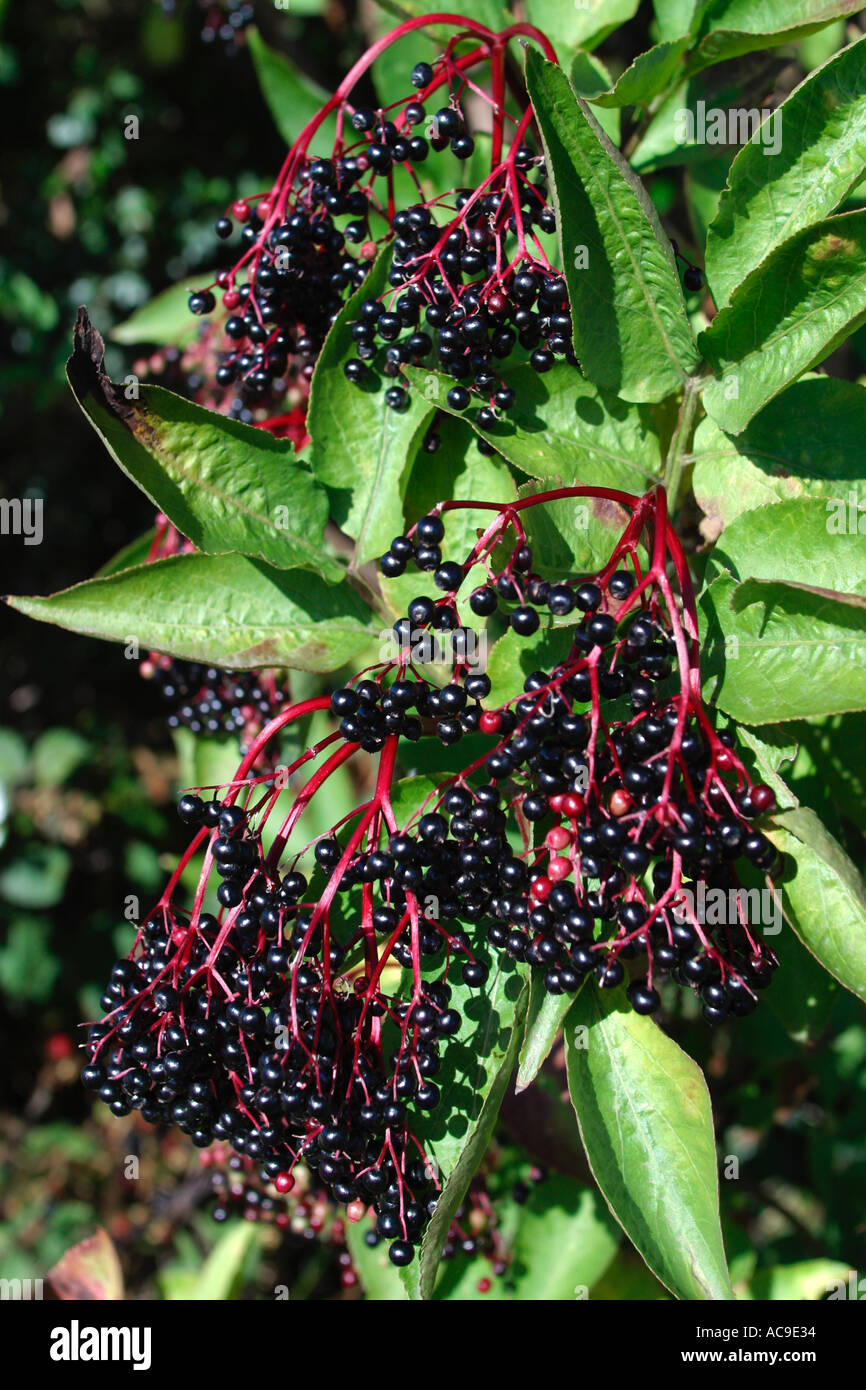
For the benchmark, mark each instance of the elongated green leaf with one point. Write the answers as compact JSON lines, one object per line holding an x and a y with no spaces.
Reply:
{"x":792,"y":541}
{"x":756,"y":635}
{"x":224,"y":610}
{"x":221,"y":1275}
{"x":823,"y":895}
{"x":290,"y":96}
{"x":806,"y":442}
{"x":473,"y":1080}
{"x":785,"y":317}
{"x":645,"y":1119}
{"x":362,"y":450}
{"x":224,"y":485}
{"x":586,"y":24}
{"x":631,"y":333}
{"x":544,"y":1016}
{"x":772,"y":193}
{"x":565,"y":1241}
{"x":732,"y":27}
{"x":165,"y":319}
{"x":649,"y":74}
{"x":562,"y":426}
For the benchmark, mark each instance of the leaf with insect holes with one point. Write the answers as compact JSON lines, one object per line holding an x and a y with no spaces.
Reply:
{"x":799,"y":304}
{"x":224,"y":610}
{"x":362,"y":449}
{"x":476,"y":1070}
{"x":631,"y":332}
{"x":224,"y":485}
{"x":645,"y":1120}
{"x":820,"y":131}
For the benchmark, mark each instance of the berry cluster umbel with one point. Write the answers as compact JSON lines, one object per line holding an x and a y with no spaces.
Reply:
{"x":300,"y":1007}
{"x":470,"y":260}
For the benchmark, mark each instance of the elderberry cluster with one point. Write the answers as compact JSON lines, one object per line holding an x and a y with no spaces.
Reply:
{"x":206,"y":700}
{"x":287,"y":1066}
{"x":303,"y":272}
{"x":477,"y":306}
{"x":465,"y":264}
{"x":612,"y":800}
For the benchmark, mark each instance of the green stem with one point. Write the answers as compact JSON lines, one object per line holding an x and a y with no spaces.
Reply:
{"x":681,"y":441}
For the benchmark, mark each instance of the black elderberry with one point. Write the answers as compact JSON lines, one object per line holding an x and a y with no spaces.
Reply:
{"x":422,"y":75}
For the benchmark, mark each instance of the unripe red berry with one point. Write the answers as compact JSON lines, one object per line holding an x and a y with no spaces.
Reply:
{"x":763,"y":798}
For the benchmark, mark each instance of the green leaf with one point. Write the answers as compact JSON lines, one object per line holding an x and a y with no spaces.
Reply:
{"x":474,"y":1077}
{"x":166,"y":319}
{"x":56,"y":755}
{"x":805,"y":442}
{"x":561,"y":426}
{"x":792,"y":541}
{"x":224,"y":610}
{"x":544,"y":1017}
{"x":222,"y":1274}
{"x":730,"y":28}
{"x":631,"y":333}
{"x":590,"y":78}
{"x":823,"y":895}
{"x":796,"y":1283}
{"x":224,"y":485}
{"x":37,"y":877}
{"x":786,"y":316}
{"x":380,"y":1279}
{"x":28,"y":969}
{"x":512,"y":658}
{"x":771,"y":194}
{"x":649,"y":74}
{"x":644,"y":1114}
{"x":565,"y":1241}
{"x":492,"y":13}
{"x":675,"y":17}
{"x":362,"y":450}
{"x":575,"y":535}
{"x":756,"y":635}
{"x":569,"y":25}
{"x":803,"y":992}
{"x":290,"y":96}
